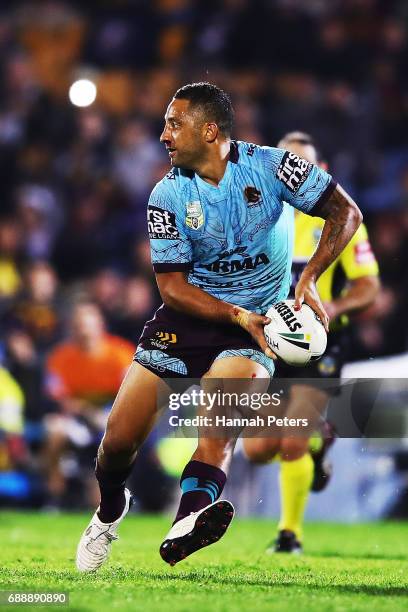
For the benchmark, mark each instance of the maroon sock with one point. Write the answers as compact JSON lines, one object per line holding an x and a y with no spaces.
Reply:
{"x":201,"y":485}
{"x":112,"y":488}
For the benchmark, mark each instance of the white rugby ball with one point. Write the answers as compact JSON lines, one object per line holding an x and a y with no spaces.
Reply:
{"x":297,"y":337}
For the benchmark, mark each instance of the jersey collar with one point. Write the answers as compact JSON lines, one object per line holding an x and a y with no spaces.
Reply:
{"x":229,"y":170}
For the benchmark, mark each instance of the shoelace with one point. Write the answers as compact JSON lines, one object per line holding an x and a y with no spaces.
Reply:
{"x":98,"y":545}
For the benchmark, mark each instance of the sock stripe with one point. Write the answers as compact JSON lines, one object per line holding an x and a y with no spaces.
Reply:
{"x":201,"y":484}
{"x":213,"y":486}
{"x":189,"y":484}
{"x":192,"y":484}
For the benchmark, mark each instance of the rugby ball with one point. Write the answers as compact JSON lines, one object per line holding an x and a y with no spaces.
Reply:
{"x":297,"y":337}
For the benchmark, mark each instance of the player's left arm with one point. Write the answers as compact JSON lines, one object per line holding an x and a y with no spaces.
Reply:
{"x":313,"y":191}
{"x":343,"y":218}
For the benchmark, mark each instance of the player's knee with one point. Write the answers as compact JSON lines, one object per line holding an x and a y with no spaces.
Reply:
{"x":293,"y":448}
{"x":260,"y":450}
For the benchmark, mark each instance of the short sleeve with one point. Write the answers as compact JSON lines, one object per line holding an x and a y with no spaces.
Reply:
{"x":171,"y":249}
{"x":297,"y":181}
{"x":358,"y":259}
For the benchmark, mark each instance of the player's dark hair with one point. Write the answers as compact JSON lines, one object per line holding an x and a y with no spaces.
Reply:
{"x":302,"y":138}
{"x":215,"y":103}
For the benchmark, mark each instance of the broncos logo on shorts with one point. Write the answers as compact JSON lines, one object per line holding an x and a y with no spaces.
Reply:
{"x":160,"y":361}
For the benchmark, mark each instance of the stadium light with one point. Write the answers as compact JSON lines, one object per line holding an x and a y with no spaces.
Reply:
{"x":82,"y":92}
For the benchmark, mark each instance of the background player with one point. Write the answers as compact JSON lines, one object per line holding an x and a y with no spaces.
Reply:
{"x":221,"y":248}
{"x":350,"y":284}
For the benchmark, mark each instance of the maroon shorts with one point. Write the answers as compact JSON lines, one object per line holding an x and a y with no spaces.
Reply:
{"x":176,"y":345}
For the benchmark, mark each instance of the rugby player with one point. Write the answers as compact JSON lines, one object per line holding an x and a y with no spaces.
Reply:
{"x":350,"y":284}
{"x":221,"y":243}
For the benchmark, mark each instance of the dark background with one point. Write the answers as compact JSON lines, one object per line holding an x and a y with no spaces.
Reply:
{"x":75,"y":181}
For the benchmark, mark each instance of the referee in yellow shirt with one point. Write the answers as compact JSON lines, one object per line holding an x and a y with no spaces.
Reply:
{"x":350,"y":284}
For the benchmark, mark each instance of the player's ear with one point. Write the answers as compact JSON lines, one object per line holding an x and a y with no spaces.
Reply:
{"x":210,"y":132}
{"x":324,"y":165}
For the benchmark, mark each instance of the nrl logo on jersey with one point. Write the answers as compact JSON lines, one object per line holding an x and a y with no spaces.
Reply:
{"x":195,"y":216}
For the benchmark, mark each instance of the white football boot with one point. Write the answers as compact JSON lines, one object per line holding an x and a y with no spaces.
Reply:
{"x":94,"y":545}
{"x":197,"y":530}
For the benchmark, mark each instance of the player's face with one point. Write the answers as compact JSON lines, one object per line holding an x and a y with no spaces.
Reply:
{"x":183,"y":134}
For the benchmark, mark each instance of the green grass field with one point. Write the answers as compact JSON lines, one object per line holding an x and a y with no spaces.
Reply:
{"x":358,"y":567}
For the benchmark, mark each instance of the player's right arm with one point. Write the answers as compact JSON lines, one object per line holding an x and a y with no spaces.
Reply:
{"x":172,"y":254}
{"x":179,"y":294}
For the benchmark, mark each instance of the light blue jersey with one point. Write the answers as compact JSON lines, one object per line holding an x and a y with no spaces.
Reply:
{"x":235,"y":240}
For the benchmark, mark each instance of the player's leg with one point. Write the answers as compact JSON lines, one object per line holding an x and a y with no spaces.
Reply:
{"x":216,"y":445}
{"x":200,"y":519}
{"x":297,"y":468}
{"x":131,"y":419}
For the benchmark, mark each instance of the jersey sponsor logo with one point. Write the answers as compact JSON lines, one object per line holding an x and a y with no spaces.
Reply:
{"x":363,"y":253}
{"x":252,"y":195}
{"x":287,"y":315}
{"x":238,"y":265}
{"x":161,"y":224}
{"x":240,"y":250}
{"x":195,"y":216}
{"x":293,"y":171}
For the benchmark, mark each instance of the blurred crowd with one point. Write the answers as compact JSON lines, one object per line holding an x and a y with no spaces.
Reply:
{"x":75,"y":265}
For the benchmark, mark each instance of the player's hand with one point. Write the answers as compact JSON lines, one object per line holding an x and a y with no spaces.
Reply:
{"x":254,"y":324}
{"x":306,"y":292}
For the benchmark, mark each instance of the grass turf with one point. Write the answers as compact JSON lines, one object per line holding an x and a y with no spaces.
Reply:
{"x":356,"y":567}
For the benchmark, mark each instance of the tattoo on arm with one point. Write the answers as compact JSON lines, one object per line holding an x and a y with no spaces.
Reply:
{"x":337,"y":220}
{"x":342,"y":220}
{"x":338,"y":199}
